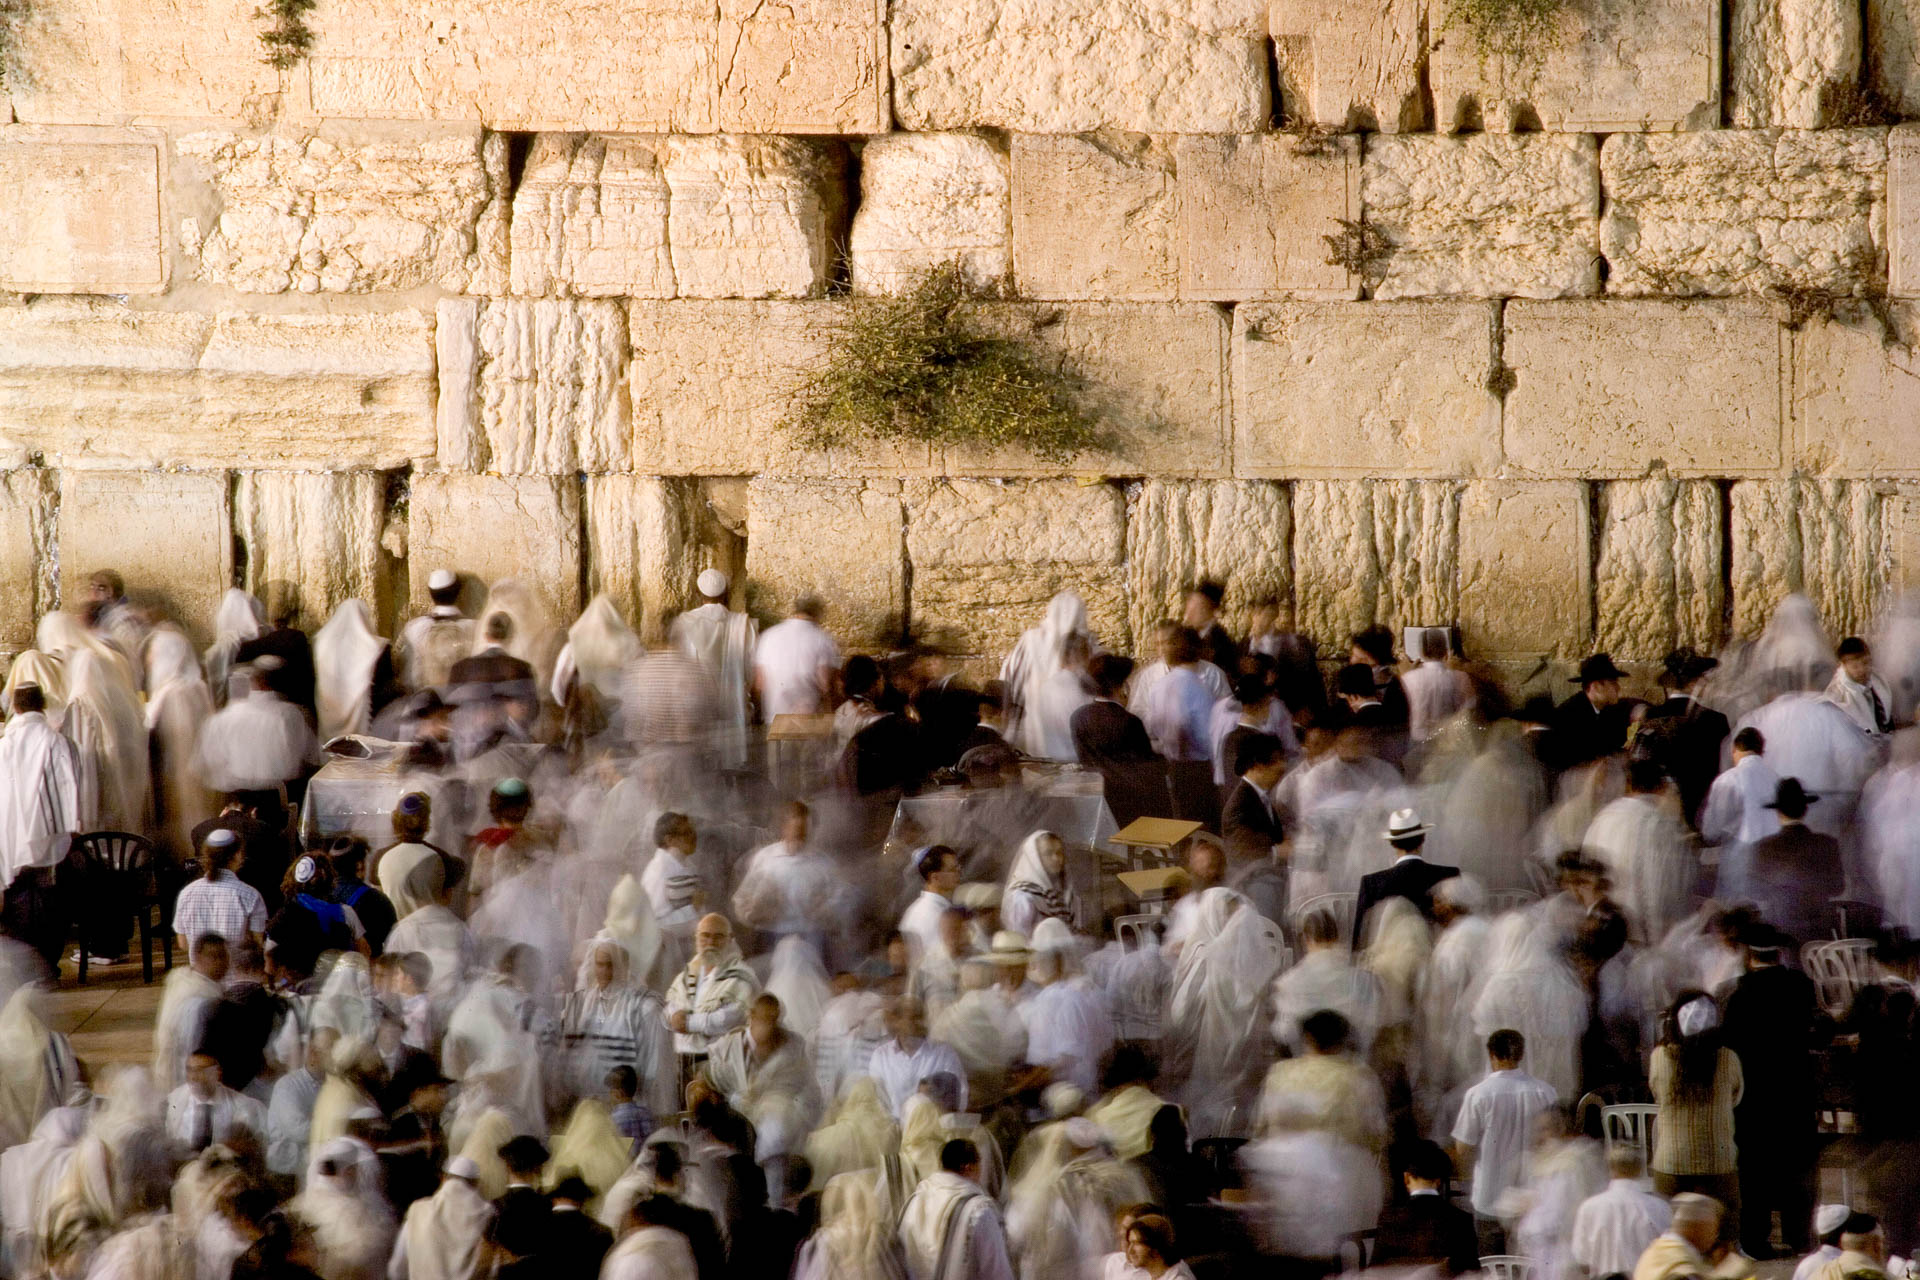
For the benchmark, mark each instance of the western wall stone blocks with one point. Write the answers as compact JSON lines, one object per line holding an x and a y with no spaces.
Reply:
{"x":641,"y":544}
{"x":1488,"y":215}
{"x":927,"y":199}
{"x":842,"y":540}
{"x":1351,"y":66}
{"x":98,"y":384}
{"x":498,"y":527}
{"x":1893,"y":52}
{"x":1145,"y":66}
{"x":590,"y":218}
{"x":1610,"y":68}
{"x":28,"y":498}
{"x":1094,"y":217}
{"x":752,"y":217}
{"x":1658,"y":583}
{"x":321,"y":531}
{"x":1526,"y":569}
{"x":169,"y":533}
{"x":1741,"y":211}
{"x":82,"y":210}
{"x":987,"y":555}
{"x":1854,"y":394}
{"x":1693,"y":387}
{"x":1327,"y":389}
{"x":1784,"y":55}
{"x":1254,"y":209}
{"x":1367,"y":551}
{"x":803,"y":66}
{"x":1823,"y":538}
{"x":1903,"y":210}
{"x":1237,"y":532}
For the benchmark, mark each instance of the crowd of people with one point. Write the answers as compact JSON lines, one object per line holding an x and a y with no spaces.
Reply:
{"x":510,"y":949}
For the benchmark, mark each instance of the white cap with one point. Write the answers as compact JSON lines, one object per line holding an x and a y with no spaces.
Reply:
{"x":440,"y":579}
{"x":1697,"y":1015}
{"x":1829,"y":1218}
{"x":1084,"y":1134}
{"x":712,"y":583}
{"x":463,"y":1167}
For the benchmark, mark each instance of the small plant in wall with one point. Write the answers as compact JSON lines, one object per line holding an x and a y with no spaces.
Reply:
{"x":1512,"y":28}
{"x":287,"y":38}
{"x":1359,"y":250}
{"x":939,"y":365}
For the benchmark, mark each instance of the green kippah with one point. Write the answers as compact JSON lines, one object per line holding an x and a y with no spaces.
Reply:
{"x":510,"y":789}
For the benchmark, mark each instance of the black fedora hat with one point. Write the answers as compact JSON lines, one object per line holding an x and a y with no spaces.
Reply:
{"x":1685,"y":665}
{"x":1597,"y":668}
{"x":1791,"y":798}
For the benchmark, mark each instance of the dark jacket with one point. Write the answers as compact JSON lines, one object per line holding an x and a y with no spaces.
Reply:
{"x":1219,"y":649}
{"x":948,"y":711}
{"x":519,"y":1225}
{"x":1427,"y":1231}
{"x":576,"y":1245}
{"x":294,"y":680}
{"x":1579,"y":732}
{"x":1794,"y":878}
{"x":1410,"y":878}
{"x":1686,"y":737}
{"x":1774,"y":1022}
{"x":495,"y":667}
{"x":1112,"y":741}
{"x":1248,"y":825}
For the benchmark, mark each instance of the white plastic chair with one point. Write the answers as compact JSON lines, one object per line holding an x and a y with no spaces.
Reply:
{"x":1342,"y":905}
{"x":1504,"y":900}
{"x":1630,"y":1124}
{"x":1506,"y":1266}
{"x":1839,"y":969}
{"x":1132,"y":930}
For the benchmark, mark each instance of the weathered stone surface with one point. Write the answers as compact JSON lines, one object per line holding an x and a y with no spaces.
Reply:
{"x":1783,"y":55}
{"x":1351,"y":66}
{"x":1903,"y":210}
{"x":1900,"y":518}
{"x":815,"y":66}
{"x":114,"y":61}
{"x":103,"y":385}
{"x":346,"y":209}
{"x":1236,"y":532}
{"x":495,"y":527}
{"x":533,"y":388}
{"x":1740,"y":211}
{"x":82,"y":210}
{"x":1094,"y":217}
{"x":1364,"y":389}
{"x":27,"y":500}
{"x":641,"y":544}
{"x":167,"y":533}
{"x":1821,"y":538}
{"x":590,"y":218}
{"x":752,"y":217}
{"x":1526,"y":572}
{"x":1167,"y":66}
{"x":1254,"y":209}
{"x":1658,"y":582}
{"x":987,"y":555}
{"x":1488,"y":215}
{"x":1367,"y":551}
{"x":1893,"y":52}
{"x":321,"y":531}
{"x":1691,"y":386}
{"x":927,"y":199}
{"x":1653,"y":65}
{"x":1854,"y":398}
{"x":842,"y":540}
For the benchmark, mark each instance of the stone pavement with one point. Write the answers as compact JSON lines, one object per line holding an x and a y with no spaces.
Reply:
{"x":110,"y":1020}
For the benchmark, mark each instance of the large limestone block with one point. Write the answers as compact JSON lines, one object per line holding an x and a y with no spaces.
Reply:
{"x":803,"y":66}
{"x":1254,"y":209}
{"x":496,"y":527}
{"x":843,"y":541}
{"x":1740,"y":211}
{"x":1147,"y":66}
{"x":103,"y":385}
{"x":1903,"y":210}
{"x":1691,"y":386}
{"x":344,"y":209}
{"x":1364,"y":389}
{"x":1348,"y":66}
{"x":927,"y":199}
{"x":1367,"y":551}
{"x":1658,"y":582}
{"x":1820,"y":538}
{"x":1526,"y":569}
{"x":168,"y":533}
{"x":1784,"y":54}
{"x":987,"y":555}
{"x":1854,"y":398}
{"x":1094,"y":217}
{"x":321,"y":531}
{"x":28,"y":498}
{"x":118,"y":61}
{"x":641,"y":544}
{"x":82,"y":210}
{"x":1900,"y":516}
{"x":1606,"y":68}
{"x":533,"y":387}
{"x":1487,"y":215}
{"x":752,"y":217}
{"x":590,"y":218}
{"x":1893,"y":52}
{"x":1236,"y":532}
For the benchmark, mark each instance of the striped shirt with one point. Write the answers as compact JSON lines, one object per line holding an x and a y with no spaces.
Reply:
{"x":225,"y":905}
{"x":1694,"y":1136}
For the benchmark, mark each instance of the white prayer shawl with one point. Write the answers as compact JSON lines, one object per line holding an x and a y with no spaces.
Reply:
{"x":1647,"y":856}
{"x":185,"y":1001}
{"x":1035,"y":658}
{"x":1313,"y":1191}
{"x":721,"y":641}
{"x":619,"y":1024}
{"x":1226,"y":965}
{"x":346,"y":1002}
{"x":107,"y":730}
{"x":445,"y":1236}
{"x":353,"y":1226}
{"x":853,"y":1241}
{"x":1326,"y":980}
{"x":777,"y":1091}
{"x":48,"y":674}
{"x":1483,"y":820}
{"x":630,"y":921}
{"x":1558,"y":1181}
{"x":39,"y":795}
{"x":445,"y":940}
{"x":599,"y":647}
{"x":1051,"y":715}
{"x":1070,"y":1030}
{"x":786,"y":889}
{"x":952,"y":1231}
{"x":255,"y":743}
{"x":1435,"y":691}
{"x":1060,"y":1214}
{"x":178,"y":707}
{"x":1892,"y":810}
{"x":1735,"y":817}
{"x":985,"y":1029}
{"x":61,"y":635}
{"x":1811,"y":739}
{"x":431,"y":643}
{"x":670,"y":883}
{"x":852,"y":1026}
{"x":239,"y":619}
{"x":1531,"y":988}
{"x":1033,"y":892}
{"x":1452,"y":1056}
{"x":651,"y":1253}
{"x":345,"y":653}
{"x":28,"y":1174}
{"x":799,"y":978}
{"x":489,"y":1045}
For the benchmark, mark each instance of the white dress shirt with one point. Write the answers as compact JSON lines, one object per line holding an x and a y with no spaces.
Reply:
{"x":1496,"y":1120}
{"x":1434,"y":692}
{"x":227,"y":1113}
{"x":1614,"y":1228}
{"x":898,"y":1071}
{"x":788,"y":661}
{"x":920,"y":925}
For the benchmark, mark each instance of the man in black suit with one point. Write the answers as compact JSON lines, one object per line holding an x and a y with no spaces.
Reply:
{"x":1366,"y":708}
{"x":1424,"y":1230}
{"x":522,"y":1214}
{"x":293,"y":678}
{"x":1411,"y":876}
{"x":1796,"y":872}
{"x":1685,"y":734}
{"x":1112,"y":741}
{"x":1201,"y":612}
{"x":576,"y":1245}
{"x":1593,"y":722}
{"x":1250,"y":826}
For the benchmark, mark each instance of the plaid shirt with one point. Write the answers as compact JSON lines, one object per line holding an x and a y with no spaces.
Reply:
{"x":225,"y":905}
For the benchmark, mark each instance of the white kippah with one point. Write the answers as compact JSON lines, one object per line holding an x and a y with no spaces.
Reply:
{"x":1698,"y":1015}
{"x":440,"y":579}
{"x":712,"y":583}
{"x":1829,"y":1218}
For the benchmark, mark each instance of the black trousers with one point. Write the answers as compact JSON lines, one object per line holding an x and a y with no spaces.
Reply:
{"x":1770,"y":1181}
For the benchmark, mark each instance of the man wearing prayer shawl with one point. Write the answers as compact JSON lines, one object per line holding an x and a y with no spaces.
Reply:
{"x":1645,"y":848}
{"x":107,"y":729}
{"x":343,"y":1205}
{"x":1039,"y":653}
{"x":1736,"y":815}
{"x":239,"y":619}
{"x":353,"y":671}
{"x":178,"y":707}
{"x":39,"y":789}
{"x":1215,"y":1038}
{"x":599,"y":647}
{"x":29,"y":1172}
{"x":721,"y":640}
{"x":1069,"y":1024}
{"x":1451,"y":1056}
{"x":762,"y":1069}
{"x":650,"y":1249}
{"x":1061,"y":1212}
{"x":1326,"y":978}
{"x":445,"y":1236}
{"x":608,"y":1021}
{"x":256,"y":743}
{"x":709,"y":997}
{"x":675,"y":887}
{"x":1037,"y":887}
{"x":951,"y":1229}
{"x":431,"y":643}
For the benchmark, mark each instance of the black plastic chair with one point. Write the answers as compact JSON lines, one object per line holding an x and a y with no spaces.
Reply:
{"x":117,"y":877}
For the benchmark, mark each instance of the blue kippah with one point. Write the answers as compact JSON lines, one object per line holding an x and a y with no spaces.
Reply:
{"x":510,"y":789}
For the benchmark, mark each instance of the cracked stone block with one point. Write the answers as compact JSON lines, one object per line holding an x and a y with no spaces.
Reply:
{"x":498,"y":527}
{"x":1364,"y":389}
{"x":321,"y":531}
{"x":752,"y":217}
{"x":1179,"y":532}
{"x":1367,"y":551}
{"x":590,"y":218}
{"x":1854,"y":397}
{"x":1741,"y":211}
{"x":842,"y":540}
{"x":28,"y":499}
{"x":82,"y":210}
{"x":1526,"y":570}
{"x":987,"y":555}
{"x":1903,"y":211}
{"x":1254,"y":213}
{"x":168,"y":533}
{"x":1095,"y":217}
{"x":1689,"y":387}
{"x":1658,"y":583}
{"x":642,"y":544}
{"x":1821,"y":538}
{"x":1348,"y":67}
{"x":1488,"y":215}
{"x":927,"y":199}
{"x":1783,"y":55}
{"x":803,"y":66}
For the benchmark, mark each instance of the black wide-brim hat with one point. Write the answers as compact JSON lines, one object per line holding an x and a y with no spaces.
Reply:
{"x":1790,"y":795}
{"x":1598,"y":667}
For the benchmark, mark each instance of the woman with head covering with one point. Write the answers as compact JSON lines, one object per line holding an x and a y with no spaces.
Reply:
{"x":48,"y":674}
{"x":608,"y":1021}
{"x":348,"y":660}
{"x":1215,"y":1037}
{"x":1037,"y":887}
{"x":1037,"y":656}
{"x":854,"y":1240}
{"x":599,"y":647}
{"x":239,"y":618}
{"x":343,"y":1205}
{"x":1696,"y":1082}
{"x":105,"y":725}
{"x":858,"y":1136}
{"x":178,"y":705}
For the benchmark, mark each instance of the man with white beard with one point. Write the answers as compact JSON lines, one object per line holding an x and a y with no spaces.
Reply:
{"x":1735,"y":816}
{"x":1644,"y":847}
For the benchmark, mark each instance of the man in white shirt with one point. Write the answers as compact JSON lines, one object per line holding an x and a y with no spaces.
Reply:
{"x":39,"y":788}
{"x":939,"y":869}
{"x":899,"y":1065}
{"x":720,"y":640}
{"x":951,"y":1229}
{"x":1179,"y":708}
{"x":1495,"y":1129}
{"x":1326,"y":978}
{"x":676,"y":889}
{"x":1611,"y":1230}
{"x":1435,"y":690}
{"x":796,"y":664}
{"x":787,"y":888}
{"x":431,"y":643}
{"x":1856,"y":690}
{"x":203,"y":1111}
{"x":1147,"y":678}
{"x":1737,"y":816}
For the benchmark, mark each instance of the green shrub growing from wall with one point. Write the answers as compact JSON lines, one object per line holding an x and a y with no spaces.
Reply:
{"x":287,"y":38}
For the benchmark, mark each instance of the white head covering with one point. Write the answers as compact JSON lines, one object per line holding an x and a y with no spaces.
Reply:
{"x":800,"y":980}
{"x":1698,"y":1015}
{"x":603,"y":644}
{"x":1829,"y":1218}
{"x":239,"y":617}
{"x":1029,"y":875}
{"x":106,"y":725}
{"x":440,"y":579}
{"x":171,"y":665}
{"x":712,"y":583}
{"x":345,"y":652}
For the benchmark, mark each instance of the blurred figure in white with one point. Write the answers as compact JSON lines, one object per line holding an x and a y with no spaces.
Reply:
{"x":349,"y":659}
{"x":1037,"y":656}
{"x":721,"y":640}
{"x":431,"y":643}
{"x":1736,"y":815}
